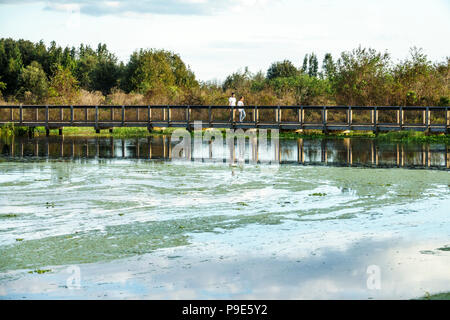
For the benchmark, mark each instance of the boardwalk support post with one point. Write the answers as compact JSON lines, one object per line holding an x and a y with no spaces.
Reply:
{"x":21,"y":115}
{"x":324,"y":119}
{"x":188,"y":117}
{"x":123,"y":115}
{"x":209,"y":116}
{"x":447,"y":121}
{"x":97,"y":130}
{"x":149,"y":119}
{"x":349,"y":117}
{"x":400,"y":118}
{"x":375,"y":120}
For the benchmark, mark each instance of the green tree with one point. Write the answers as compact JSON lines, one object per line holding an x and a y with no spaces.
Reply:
{"x":328,"y":67}
{"x":281,"y":69}
{"x":363,"y":78}
{"x":238,"y":80}
{"x":63,"y":87}
{"x":10,"y":65}
{"x":305,"y":64}
{"x":34,"y":84}
{"x":313,"y":65}
{"x":152,"y":69}
{"x":418,"y":82}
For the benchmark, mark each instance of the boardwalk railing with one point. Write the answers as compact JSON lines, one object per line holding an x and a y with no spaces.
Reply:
{"x":326,"y":118}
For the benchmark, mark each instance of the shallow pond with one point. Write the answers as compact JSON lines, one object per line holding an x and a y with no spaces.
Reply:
{"x":337,"y":219}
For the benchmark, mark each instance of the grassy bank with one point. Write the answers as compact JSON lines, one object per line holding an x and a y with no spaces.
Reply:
{"x":394,"y":136}
{"x":438,"y":296}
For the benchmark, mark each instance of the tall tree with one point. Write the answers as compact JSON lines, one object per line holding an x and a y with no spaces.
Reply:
{"x":150,"y":69}
{"x":33,"y":84}
{"x":313,"y":65}
{"x":328,"y":66}
{"x":63,"y":87}
{"x":363,"y":77}
{"x":281,"y":69}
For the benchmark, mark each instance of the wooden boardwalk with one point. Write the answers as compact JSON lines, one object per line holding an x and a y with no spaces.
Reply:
{"x":301,"y":152}
{"x":326,"y":118}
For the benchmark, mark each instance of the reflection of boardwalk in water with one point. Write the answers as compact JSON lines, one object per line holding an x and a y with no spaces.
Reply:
{"x":337,"y":152}
{"x":326,"y":118}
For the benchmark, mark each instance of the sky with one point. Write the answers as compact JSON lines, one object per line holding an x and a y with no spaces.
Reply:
{"x":217,"y":37}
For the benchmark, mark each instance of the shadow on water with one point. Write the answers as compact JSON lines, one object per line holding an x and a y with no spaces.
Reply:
{"x":333,"y":152}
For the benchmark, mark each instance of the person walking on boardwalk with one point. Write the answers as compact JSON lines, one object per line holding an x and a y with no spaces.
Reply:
{"x":232,"y":103}
{"x":241,"y":109}
{"x":232,"y":100}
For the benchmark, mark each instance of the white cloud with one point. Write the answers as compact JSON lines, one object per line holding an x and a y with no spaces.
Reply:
{"x":218,"y":37}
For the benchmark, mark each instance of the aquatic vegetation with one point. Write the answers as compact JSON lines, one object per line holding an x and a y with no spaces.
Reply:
{"x":40,"y":271}
{"x":49,"y":205}
{"x":413,"y":136}
{"x":445,"y":248}
{"x":9,"y":215}
{"x":438,"y":296}
{"x":318,"y":194}
{"x":19,"y":239}
{"x":10,"y":130}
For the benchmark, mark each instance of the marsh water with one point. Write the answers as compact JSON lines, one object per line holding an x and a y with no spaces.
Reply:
{"x":90,"y":218}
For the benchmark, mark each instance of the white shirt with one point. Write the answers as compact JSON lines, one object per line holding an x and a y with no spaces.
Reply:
{"x":232,"y":101}
{"x":240,"y":104}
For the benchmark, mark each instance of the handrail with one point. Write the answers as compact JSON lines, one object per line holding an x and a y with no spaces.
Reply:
{"x":94,"y":116}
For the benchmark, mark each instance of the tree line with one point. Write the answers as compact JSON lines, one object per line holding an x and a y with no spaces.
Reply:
{"x":33,"y":73}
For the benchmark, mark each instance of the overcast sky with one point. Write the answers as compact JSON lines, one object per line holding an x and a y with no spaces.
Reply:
{"x":218,"y":37}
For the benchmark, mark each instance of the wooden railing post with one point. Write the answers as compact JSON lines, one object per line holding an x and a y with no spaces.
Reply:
{"x":96,"y":117}
{"x":278,"y":115}
{"x":302,"y":116}
{"x":21,"y":114}
{"x":375,"y":119}
{"x":46,"y":116}
{"x":427,"y":118}
{"x":47,"y":129}
{"x":447,"y":120}
{"x":400,"y":120}
{"x":86,"y":114}
{"x":256,"y":115}
{"x":209,"y":116}
{"x":324,"y":117}
{"x":71,"y":115}
{"x":123,"y":115}
{"x":349,"y":117}
{"x":168,"y":115}
{"x":188,"y":117}
{"x":61,"y":114}
{"x":137,"y":114}
{"x":11,"y":114}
